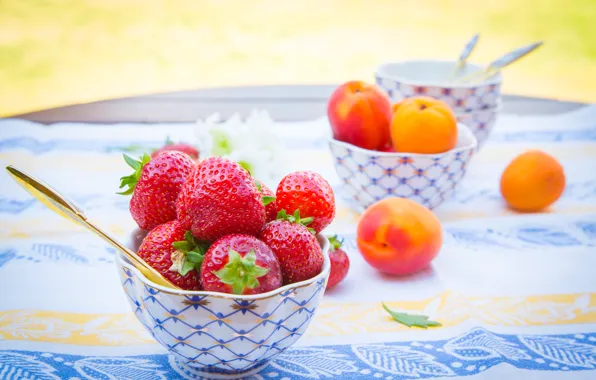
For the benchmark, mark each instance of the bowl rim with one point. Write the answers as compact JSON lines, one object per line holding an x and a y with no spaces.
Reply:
{"x":461,"y":127}
{"x":323,"y":242}
{"x":381,"y":71}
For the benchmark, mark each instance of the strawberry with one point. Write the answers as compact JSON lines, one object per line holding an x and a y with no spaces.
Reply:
{"x":240,"y":264}
{"x":155,"y":185}
{"x":180,"y":147}
{"x":220,"y":198}
{"x":310,"y":193}
{"x":340,"y":263}
{"x":297,"y":249}
{"x":268,"y":197}
{"x":174,"y":253}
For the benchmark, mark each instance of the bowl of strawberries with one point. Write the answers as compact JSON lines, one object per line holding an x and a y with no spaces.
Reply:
{"x":251,"y":264}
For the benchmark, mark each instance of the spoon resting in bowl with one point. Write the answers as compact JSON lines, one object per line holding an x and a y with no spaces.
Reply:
{"x":64,"y":207}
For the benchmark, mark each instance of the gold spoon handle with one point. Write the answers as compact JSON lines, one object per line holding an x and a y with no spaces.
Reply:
{"x":500,"y":63}
{"x":62,"y":206}
{"x":464,"y":55}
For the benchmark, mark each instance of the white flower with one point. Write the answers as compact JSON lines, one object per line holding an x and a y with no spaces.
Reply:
{"x":252,"y":143}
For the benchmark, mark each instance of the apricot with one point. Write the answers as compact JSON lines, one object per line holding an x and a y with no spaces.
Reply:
{"x":423,"y":125}
{"x":360,"y":114}
{"x":398,"y":236}
{"x":532,"y":181}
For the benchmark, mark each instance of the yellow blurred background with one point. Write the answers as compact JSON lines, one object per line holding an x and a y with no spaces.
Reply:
{"x":58,"y":52}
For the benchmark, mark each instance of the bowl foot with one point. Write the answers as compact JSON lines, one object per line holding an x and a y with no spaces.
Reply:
{"x":190,"y":372}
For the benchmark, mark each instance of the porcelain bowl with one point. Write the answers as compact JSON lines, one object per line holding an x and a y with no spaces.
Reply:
{"x":480,"y":122}
{"x":217,"y":335}
{"x":429,"y":179}
{"x":431,"y":78}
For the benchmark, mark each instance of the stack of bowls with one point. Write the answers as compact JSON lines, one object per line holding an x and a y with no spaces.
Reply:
{"x":475,"y":105}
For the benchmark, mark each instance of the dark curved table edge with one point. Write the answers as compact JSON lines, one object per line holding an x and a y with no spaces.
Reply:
{"x":283,"y":102}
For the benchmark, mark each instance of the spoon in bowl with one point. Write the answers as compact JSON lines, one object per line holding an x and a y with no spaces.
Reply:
{"x":499,"y":63}
{"x":62,"y":206}
{"x":464,"y":55}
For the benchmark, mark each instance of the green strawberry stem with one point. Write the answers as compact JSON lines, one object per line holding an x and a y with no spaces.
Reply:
{"x":132,"y":180}
{"x":189,"y":255}
{"x":283,"y":215}
{"x":335,"y":242}
{"x":241,"y":272}
{"x":246,"y":166}
{"x":266,"y":199}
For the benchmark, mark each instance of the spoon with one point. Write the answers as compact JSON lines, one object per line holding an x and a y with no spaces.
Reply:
{"x":464,"y":55}
{"x":499,"y":63}
{"x":62,"y":206}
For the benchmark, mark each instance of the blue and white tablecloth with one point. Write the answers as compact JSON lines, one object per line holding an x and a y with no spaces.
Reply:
{"x":516,"y":294}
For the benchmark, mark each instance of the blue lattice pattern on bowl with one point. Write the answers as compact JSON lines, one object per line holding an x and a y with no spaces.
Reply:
{"x":223,"y":335}
{"x":480,"y":122}
{"x":429,"y":179}
{"x":426,"y":78}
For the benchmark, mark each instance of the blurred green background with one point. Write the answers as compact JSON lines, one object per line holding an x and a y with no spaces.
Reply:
{"x":63,"y":52}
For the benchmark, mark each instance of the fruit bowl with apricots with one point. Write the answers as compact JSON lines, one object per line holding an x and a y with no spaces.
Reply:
{"x":250,"y":265}
{"x":420,"y":152}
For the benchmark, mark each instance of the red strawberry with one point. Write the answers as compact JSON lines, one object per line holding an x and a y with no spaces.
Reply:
{"x":180,"y":147}
{"x":220,"y":198}
{"x":340,"y":263}
{"x":268,"y":197}
{"x":310,"y":193}
{"x":174,"y":253}
{"x":296,"y":248}
{"x":240,"y":264}
{"x":155,"y":186}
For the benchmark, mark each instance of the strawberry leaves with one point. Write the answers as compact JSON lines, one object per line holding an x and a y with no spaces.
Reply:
{"x":241,"y":272}
{"x":132,"y":180}
{"x":189,"y":255}
{"x":335,"y":242}
{"x":283,"y":215}
{"x":266,"y":199}
{"x":411,"y":320}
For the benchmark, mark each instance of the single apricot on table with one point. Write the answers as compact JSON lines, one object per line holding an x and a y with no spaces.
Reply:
{"x":360,"y":114}
{"x":532,"y":181}
{"x":398,"y":236}
{"x":423,"y":125}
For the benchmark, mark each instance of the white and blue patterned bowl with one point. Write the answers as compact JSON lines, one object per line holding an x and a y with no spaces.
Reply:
{"x":429,"y":179}
{"x":480,"y":122}
{"x":218,"y":335}
{"x":430,"y":78}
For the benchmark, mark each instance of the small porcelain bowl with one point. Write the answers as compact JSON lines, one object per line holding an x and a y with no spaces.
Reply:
{"x":217,"y":335}
{"x":429,"y":179}
{"x":430,"y":78}
{"x":480,"y":122}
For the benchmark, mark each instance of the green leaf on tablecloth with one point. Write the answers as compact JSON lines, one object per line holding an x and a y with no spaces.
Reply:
{"x":411,"y":320}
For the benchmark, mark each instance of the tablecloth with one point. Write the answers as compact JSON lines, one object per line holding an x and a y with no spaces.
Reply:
{"x":516,"y":293}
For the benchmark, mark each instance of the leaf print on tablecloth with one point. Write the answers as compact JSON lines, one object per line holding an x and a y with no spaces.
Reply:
{"x":28,"y":325}
{"x":18,"y":366}
{"x":479,"y":344}
{"x":478,"y":238}
{"x":6,"y":256}
{"x":58,"y":252}
{"x":589,"y":228}
{"x":114,"y":368}
{"x":546,"y":236}
{"x":312,"y":362}
{"x":562,"y":350}
{"x":15,"y":206}
{"x":400,"y":360}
